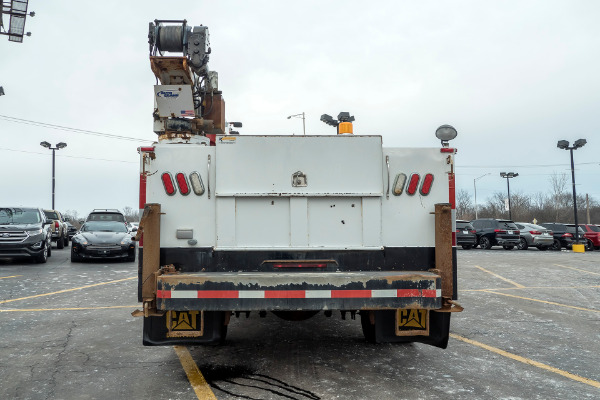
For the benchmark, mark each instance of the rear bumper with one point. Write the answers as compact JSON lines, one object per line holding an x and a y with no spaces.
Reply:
{"x":299,"y":291}
{"x":543,"y":241}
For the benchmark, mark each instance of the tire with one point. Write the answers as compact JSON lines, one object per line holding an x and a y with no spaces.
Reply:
{"x":49,"y":246}
{"x":508,"y":247}
{"x":130,"y":258}
{"x":589,"y":246}
{"x":522,"y":244}
{"x":556,"y":246}
{"x":43,"y":258}
{"x":60,"y":243}
{"x":67,"y":240}
{"x":466,"y":246}
{"x":485,"y":243}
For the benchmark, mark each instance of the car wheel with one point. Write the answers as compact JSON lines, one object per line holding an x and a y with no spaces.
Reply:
{"x":466,"y":246}
{"x":42,"y":258}
{"x":67,"y":240}
{"x":508,"y":247}
{"x":556,"y":246}
{"x":49,"y":246}
{"x":485,"y":243}
{"x":60,"y":243}
{"x":131,"y":258}
{"x":543,"y":248}
{"x":589,"y":246}
{"x":522,"y":244}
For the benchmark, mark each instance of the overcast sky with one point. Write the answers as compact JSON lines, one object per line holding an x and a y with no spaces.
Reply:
{"x":513,"y":77}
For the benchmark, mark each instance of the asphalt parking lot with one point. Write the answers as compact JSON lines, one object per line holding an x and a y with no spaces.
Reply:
{"x":530,"y":330}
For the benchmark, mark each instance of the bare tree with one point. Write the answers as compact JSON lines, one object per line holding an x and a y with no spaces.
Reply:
{"x":464,"y":207}
{"x":130,"y":214}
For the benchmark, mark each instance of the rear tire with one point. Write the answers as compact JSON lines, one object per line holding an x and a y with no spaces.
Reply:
{"x":485,"y":243}
{"x":589,"y":246}
{"x":522,"y":244}
{"x":67,"y":240}
{"x":60,"y":243}
{"x":556,"y":246}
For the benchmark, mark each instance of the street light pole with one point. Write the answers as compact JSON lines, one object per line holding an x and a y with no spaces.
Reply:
{"x":301,"y":115}
{"x":60,"y":145}
{"x":564,"y":144}
{"x":509,"y":175}
{"x":475,"y":189}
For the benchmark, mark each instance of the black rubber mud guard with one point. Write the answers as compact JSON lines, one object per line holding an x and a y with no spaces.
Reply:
{"x":385,"y":329}
{"x":214,"y":332}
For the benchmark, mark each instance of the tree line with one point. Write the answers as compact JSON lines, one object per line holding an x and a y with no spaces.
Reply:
{"x":553,"y":206}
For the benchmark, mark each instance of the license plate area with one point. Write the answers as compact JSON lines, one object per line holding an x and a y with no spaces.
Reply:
{"x":412,"y":322}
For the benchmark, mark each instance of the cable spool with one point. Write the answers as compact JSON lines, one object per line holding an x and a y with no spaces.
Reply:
{"x":170,"y":38}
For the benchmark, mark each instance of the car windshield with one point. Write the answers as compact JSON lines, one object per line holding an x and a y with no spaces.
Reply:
{"x":571,"y":229}
{"x":101,"y":226}
{"x":106,"y":217}
{"x":51,"y":215}
{"x":507,"y":225}
{"x":13,"y":216}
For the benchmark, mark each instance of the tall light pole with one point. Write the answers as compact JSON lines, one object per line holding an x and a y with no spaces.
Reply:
{"x":59,"y":145}
{"x":301,"y":115}
{"x":509,"y":175}
{"x":564,"y":144}
{"x":475,"y":189}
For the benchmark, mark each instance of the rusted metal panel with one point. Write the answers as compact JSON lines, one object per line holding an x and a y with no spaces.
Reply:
{"x":150,"y":224}
{"x":171,"y":70}
{"x":443,"y":255}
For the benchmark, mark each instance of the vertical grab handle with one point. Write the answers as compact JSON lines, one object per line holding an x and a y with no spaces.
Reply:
{"x":208,"y":177}
{"x":387,"y":161}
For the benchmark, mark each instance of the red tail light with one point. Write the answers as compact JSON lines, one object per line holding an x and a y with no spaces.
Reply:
{"x":567,"y":235}
{"x":426,"y":186}
{"x":300,"y":265}
{"x":517,"y":232}
{"x":184,"y":188}
{"x":535,"y":232}
{"x":56,"y":224}
{"x":413,"y":182}
{"x":499,"y":231}
{"x":473,"y":231}
{"x":168,"y":183}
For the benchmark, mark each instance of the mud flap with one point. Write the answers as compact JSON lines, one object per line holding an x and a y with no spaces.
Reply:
{"x":432,"y":329}
{"x":187,"y":328}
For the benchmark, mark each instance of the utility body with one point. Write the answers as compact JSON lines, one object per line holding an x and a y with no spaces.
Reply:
{"x":294,"y":225}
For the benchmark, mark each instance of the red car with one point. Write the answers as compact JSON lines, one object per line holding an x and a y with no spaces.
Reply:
{"x":592,"y":234}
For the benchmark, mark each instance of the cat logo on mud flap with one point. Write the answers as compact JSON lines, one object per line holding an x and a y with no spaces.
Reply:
{"x":183,"y":320}
{"x":412,"y":322}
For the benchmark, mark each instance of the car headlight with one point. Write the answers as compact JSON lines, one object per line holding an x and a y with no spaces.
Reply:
{"x":126,"y":240}
{"x":79,"y":240}
{"x":35,"y":232}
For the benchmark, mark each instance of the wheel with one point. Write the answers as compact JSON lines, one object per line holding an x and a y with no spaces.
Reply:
{"x":556,"y":246}
{"x":49,"y":246}
{"x":589,"y":246}
{"x":60,"y":243}
{"x":466,"y":246}
{"x":67,"y":240}
{"x":508,"y":247}
{"x":543,"y":248}
{"x":74,"y":257}
{"x":522,"y":244}
{"x":485,"y":243}
{"x":42,"y":258}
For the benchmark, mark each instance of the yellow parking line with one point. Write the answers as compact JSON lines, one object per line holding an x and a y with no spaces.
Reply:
{"x":194,"y":375}
{"x":501,"y":277}
{"x":67,"y":290}
{"x":541,"y":301}
{"x":577,"y":269}
{"x":14,"y":276}
{"x":528,"y":361}
{"x":64,"y":309}
{"x":531,"y":287}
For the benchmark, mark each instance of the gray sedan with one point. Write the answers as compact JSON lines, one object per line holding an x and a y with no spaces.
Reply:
{"x":534,"y":235}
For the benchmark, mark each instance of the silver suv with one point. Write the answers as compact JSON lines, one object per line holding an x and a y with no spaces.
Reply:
{"x":25,"y":232}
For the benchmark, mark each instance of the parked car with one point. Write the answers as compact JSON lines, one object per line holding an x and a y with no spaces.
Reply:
{"x":132,"y":226}
{"x":465,"y":234}
{"x":534,"y":235}
{"x":496,"y":232}
{"x":72,"y":230}
{"x":102,"y":240}
{"x":59,"y":228}
{"x":592,"y":234}
{"x":25,"y":232}
{"x":106,"y":214}
{"x":563,"y":235}
{"x":584,"y":237}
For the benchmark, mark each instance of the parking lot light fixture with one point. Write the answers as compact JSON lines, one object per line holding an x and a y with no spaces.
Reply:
{"x":59,"y":145}
{"x":301,"y":115}
{"x":564,"y":144}
{"x":509,"y":175}
{"x":475,"y":190}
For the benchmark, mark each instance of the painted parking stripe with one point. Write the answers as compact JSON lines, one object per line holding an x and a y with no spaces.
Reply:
{"x":528,"y":361}
{"x":540,"y":301}
{"x":13,"y":276}
{"x":199,"y":384}
{"x":500,"y":277}
{"x":577,"y":269}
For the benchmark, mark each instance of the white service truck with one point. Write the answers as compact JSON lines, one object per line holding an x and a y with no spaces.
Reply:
{"x":292,"y":225}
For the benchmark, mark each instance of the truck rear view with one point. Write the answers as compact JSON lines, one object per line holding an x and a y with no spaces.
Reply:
{"x":293,"y":225}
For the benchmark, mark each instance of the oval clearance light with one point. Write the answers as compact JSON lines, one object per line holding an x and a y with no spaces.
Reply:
{"x":197,"y":185}
{"x":426,"y":186}
{"x":167,"y":180}
{"x":399,"y":184}
{"x":413,"y":183}
{"x":182,"y":182}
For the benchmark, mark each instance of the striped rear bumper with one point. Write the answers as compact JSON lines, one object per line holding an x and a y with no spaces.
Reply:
{"x":299,"y":291}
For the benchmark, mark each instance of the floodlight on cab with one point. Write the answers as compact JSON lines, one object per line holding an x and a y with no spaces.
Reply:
{"x":445,"y":133}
